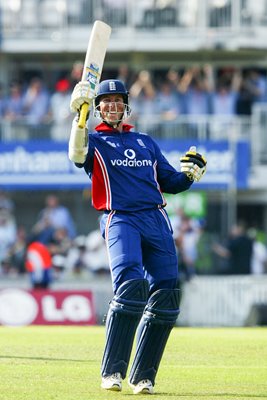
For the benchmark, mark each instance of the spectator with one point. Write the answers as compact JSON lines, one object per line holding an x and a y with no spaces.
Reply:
{"x":60,"y":110}
{"x":168,"y":102}
{"x":53,"y":216}
{"x":124,"y":74}
{"x":224,"y":98}
{"x":97,"y":254}
{"x":59,"y":246}
{"x":39,"y":265}
{"x":17,"y":252}
{"x":144,"y":101}
{"x":36,"y":108}
{"x":2,"y":101}
{"x":5,"y":202}
{"x":76,"y":259}
{"x":88,"y":254}
{"x":205,"y":262}
{"x":238,"y":251}
{"x":225,"y":93}
{"x":61,"y":241}
{"x":14,"y":103}
{"x":8,"y":232}
{"x":76,"y":73}
{"x":186,"y":242}
{"x":195,"y":85}
{"x":14,"y":112}
{"x":252,"y":90}
{"x":259,"y":253}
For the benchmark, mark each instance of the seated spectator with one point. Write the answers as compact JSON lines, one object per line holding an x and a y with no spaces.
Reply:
{"x":53,"y":216}
{"x":97,"y":256}
{"x":17,"y":252}
{"x":8,"y":232}
{"x":88,"y":254}
{"x":39,"y":265}
{"x":60,"y":243}
{"x":76,"y":259}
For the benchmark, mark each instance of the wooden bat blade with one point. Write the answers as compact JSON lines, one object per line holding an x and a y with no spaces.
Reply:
{"x":94,"y":61}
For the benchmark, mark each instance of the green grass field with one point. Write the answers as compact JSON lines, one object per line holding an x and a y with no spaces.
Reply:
{"x":62,"y":363}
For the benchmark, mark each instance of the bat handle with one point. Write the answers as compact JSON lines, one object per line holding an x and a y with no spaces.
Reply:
{"x":83,"y":115}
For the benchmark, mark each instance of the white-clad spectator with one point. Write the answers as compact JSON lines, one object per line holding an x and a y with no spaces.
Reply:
{"x":97,"y":256}
{"x":259,"y":254}
{"x":8,"y":234}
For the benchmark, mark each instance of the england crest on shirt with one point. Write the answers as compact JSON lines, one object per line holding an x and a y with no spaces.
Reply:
{"x":141,"y":143}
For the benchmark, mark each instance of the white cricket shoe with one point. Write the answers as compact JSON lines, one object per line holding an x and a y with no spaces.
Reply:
{"x":143,"y":387}
{"x":112,"y":382}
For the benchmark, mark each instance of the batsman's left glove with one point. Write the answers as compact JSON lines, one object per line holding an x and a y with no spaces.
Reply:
{"x":82,"y":93}
{"x":193,"y":164}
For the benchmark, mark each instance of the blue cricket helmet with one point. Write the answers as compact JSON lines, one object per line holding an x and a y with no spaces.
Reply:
{"x":111,"y":86}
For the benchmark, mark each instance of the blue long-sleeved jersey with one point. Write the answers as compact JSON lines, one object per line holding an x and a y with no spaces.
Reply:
{"x":128,"y":171}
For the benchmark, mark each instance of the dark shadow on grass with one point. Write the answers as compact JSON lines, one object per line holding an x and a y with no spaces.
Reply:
{"x":45,"y":359}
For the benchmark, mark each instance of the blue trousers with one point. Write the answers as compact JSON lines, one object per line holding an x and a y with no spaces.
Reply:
{"x":140,"y":245}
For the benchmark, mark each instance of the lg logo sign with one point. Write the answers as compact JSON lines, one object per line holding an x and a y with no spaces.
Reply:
{"x":19,"y":307}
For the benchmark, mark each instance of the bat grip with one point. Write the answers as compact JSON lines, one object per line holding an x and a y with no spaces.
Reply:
{"x":83,"y":115}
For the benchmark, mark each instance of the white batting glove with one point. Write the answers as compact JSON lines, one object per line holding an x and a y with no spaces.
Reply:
{"x":193,"y":164}
{"x":82,"y":93}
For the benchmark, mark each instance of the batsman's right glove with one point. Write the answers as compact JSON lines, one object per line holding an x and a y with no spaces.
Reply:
{"x":82,"y":93}
{"x":193,"y":164}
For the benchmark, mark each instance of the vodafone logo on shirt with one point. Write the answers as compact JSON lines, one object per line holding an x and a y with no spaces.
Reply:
{"x":129,"y":153}
{"x":44,"y":307}
{"x":131,"y":161}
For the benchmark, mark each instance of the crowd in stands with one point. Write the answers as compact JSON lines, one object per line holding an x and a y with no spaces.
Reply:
{"x":53,"y":248}
{"x":201,"y":252}
{"x":163,"y":95}
{"x":51,"y":244}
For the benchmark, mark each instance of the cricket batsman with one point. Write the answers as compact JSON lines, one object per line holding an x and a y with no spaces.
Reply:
{"x":129,"y":175}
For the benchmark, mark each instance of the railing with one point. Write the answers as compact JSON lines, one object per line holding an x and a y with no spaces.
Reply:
{"x":221,"y":301}
{"x":190,"y":16}
{"x":199,"y":127}
{"x":204,"y":127}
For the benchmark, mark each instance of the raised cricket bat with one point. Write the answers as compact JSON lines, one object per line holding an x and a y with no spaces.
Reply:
{"x":94,"y":61}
